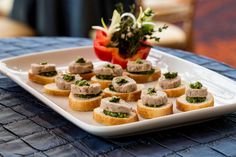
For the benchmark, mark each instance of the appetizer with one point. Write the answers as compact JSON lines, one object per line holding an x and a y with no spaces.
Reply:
{"x":105,"y":73}
{"x":42,"y":73}
{"x":62,"y":84}
{"x":171,"y":84}
{"x":142,"y":71}
{"x":196,"y":97}
{"x":114,"y":111}
{"x":124,"y":87}
{"x":85,"y":96}
{"x":153,"y":104}
{"x":83,"y":67}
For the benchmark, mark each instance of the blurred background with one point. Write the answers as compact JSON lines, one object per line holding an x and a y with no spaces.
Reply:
{"x":205,"y":27}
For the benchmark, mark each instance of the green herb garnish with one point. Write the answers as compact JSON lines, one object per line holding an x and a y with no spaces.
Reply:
{"x":139,"y":61}
{"x":195,"y":99}
{"x":110,"y":66}
{"x":170,"y":75}
{"x":196,"y":85}
{"x":115,"y":114}
{"x":87,"y":96}
{"x":111,"y":87}
{"x":105,"y":77}
{"x":43,"y":63}
{"x":68,"y":77}
{"x":121,"y":81}
{"x":143,"y":72}
{"x":80,"y":60}
{"x":114,"y":99}
{"x":48,"y":74}
{"x":82,"y":83}
{"x":151,"y":91}
{"x":154,"y":105}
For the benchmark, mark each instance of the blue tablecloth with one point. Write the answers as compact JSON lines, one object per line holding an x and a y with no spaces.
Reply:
{"x":28,"y":127}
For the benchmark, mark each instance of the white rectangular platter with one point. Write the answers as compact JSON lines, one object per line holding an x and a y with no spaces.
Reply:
{"x":222,"y":88}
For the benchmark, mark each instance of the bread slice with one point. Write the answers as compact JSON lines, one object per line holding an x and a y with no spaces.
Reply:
{"x":173,"y":92}
{"x":153,"y":112}
{"x":132,"y":96}
{"x":82,"y":104}
{"x":40,"y":79}
{"x":142,"y":78}
{"x":52,"y":89}
{"x":87,"y":76}
{"x":104,"y":83}
{"x":100,"y":117}
{"x":183,"y":105}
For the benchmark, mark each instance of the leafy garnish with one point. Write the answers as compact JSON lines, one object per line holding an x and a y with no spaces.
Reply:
{"x":170,"y":75}
{"x":196,"y":85}
{"x":48,"y":74}
{"x":195,"y":99}
{"x":80,"y":60}
{"x":151,"y":91}
{"x":105,"y":77}
{"x":68,"y":77}
{"x":115,"y":114}
{"x":121,"y":81}
{"x":43,"y":63}
{"x":143,"y":72}
{"x":154,"y":105}
{"x":114,"y":99}
{"x":87,"y":96}
{"x":82,"y":83}
{"x":139,"y":61}
{"x":110,"y":66}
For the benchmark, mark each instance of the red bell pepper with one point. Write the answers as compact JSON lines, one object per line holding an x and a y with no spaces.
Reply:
{"x":112,"y":54}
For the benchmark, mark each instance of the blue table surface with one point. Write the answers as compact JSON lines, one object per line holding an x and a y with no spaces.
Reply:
{"x":29,"y":128}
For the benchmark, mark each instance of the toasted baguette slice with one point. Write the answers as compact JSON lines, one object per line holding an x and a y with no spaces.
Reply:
{"x":87,"y":76}
{"x":132,"y":96}
{"x":142,"y":78}
{"x":52,"y":89}
{"x":40,"y":79}
{"x":104,"y":83}
{"x":153,"y":112}
{"x":100,"y":117}
{"x":183,"y":105}
{"x":174,"y":92}
{"x":81,"y":104}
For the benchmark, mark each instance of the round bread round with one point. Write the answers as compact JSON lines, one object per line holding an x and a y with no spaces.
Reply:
{"x":174,"y":92}
{"x":132,"y":96}
{"x":104,"y":83}
{"x":142,"y":78}
{"x":100,"y":117}
{"x":52,"y":89}
{"x":82,"y":104}
{"x":183,"y":105}
{"x":40,"y":79}
{"x":153,"y":112}
{"x":87,"y":76}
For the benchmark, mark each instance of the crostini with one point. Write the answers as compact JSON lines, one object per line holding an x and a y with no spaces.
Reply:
{"x":62,"y":84}
{"x":124,"y":87}
{"x":83,"y":67}
{"x":171,"y":84}
{"x":105,"y":73}
{"x":196,"y":97}
{"x":142,"y":71}
{"x":154,"y":104}
{"x":42,"y":73}
{"x":85,"y":96}
{"x":114,"y":111}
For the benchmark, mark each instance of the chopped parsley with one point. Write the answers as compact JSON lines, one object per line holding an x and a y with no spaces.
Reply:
{"x":48,"y":74}
{"x":151,"y":91}
{"x":82,"y":83}
{"x":105,"y":77}
{"x":115,"y":114}
{"x":196,"y":85}
{"x":80,"y":60}
{"x":154,"y":105}
{"x":110,"y":66}
{"x":170,"y":75}
{"x":195,"y":99}
{"x":87,"y":96}
{"x":111,"y":87}
{"x":68,"y":77}
{"x":139,"y":61}
{"x":115,"y":99}
{"x":43,"y":63}
{"x":121,"y":81}
{"x":143,"y":72}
